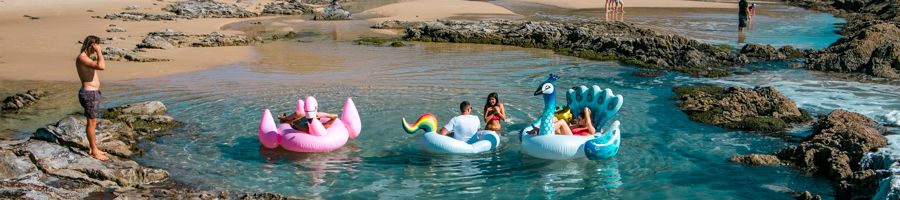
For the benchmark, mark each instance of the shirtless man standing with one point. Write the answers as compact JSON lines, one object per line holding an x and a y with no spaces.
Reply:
{"x":89,"y":95}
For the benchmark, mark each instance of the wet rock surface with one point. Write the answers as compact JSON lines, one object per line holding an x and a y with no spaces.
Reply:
{"x":54,"y":163}
{"x":768,"y":52}
{"x":756,"y":159}
{"x":870,"y":44}
{"x":19,"y":101}
{"x":758,"y":109}
{"x":594,"y":40}
{"x":834,"y":150}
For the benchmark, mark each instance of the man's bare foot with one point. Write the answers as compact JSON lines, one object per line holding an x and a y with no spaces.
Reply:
{"x":99,"y":155}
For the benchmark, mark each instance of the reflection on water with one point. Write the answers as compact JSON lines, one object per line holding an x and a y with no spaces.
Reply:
{"x":664,"y":154}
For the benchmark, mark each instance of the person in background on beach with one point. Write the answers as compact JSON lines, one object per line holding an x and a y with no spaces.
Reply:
{"x":494,"y":112}
{"x":753,"y":8}
{"x":463,"y":126}
{"x":609,"y":4}
{"x":89,"y":94}
{"x":620,"y":6}
{"x":743,"y":12}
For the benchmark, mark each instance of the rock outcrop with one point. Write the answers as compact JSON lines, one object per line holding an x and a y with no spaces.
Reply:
{"x":169,"y":39}
{"x":20,"y":101}
{"x":756,"y":159}
{"x":589,"y":39}
{"x":870,"y":44}
{"x":873,"y":50}
{"x":121,"y":54}
{"x":288,"y":7}
{"x":834,"y":150}
{"x":333,"y":12}
{"x":758,"y":109}
{"x":54,"y":163}
{"x":207,"y":9}
{"x":768,"y":52}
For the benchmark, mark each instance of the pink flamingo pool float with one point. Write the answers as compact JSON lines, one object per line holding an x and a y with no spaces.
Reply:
{"x":319,"y":138}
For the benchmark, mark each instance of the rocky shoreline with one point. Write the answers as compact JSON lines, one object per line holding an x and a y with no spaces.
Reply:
{"x":20,"y":101}
{"x":617,"y":41}
{"x":54,"y":164}
{"x":871,"y":42}
{"x":835,"y":150}
{"x":194,"y":9}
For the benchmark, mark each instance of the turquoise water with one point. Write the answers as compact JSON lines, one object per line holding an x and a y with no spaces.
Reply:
{"x":663,"y":154}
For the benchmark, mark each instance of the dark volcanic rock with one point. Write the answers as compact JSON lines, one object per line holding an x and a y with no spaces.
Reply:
{"x":834,"y":150}
{"x":758,"y":109}
{"x":19,"y":101}
{"x":807,"y":196}
{"x":870,"y":44}
{"x":873,"y":50}
{"x":594,"y":40}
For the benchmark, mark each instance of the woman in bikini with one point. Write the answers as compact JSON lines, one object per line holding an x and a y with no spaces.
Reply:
{"x":493,"y":112}
{"x":582,"y":125}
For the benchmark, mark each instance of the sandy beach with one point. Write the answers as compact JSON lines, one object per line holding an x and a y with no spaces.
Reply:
{"x":593,"y":4}
{"x":44,"y":48}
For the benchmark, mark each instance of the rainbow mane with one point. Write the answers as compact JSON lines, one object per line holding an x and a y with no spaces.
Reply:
{"x":426,"y":122}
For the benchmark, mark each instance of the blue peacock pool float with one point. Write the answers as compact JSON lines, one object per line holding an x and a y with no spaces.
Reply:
{"x":544,"y":143}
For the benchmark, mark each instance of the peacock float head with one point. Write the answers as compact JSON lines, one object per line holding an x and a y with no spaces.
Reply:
{"x":547,"y":88}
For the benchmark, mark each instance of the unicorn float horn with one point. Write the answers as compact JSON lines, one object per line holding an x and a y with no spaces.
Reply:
{"x":268,"y":132}
{"x":426,"y":122}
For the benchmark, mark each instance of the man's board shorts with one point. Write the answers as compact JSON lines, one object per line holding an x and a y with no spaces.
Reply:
{"x":90,"y":101}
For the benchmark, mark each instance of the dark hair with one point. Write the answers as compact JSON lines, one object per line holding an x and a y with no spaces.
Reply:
{"x":463,"y":106}
{"x":487,"y":102}
{"x":88,"y":41}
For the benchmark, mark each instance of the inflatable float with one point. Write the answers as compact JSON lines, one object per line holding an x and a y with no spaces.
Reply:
{"x":319,"y":138}
{"x":433,"y":142}
{"x":547,"y":145}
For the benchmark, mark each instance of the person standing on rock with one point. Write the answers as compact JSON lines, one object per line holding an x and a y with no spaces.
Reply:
{"x":89,"y":94}
{"x":743,"y":11}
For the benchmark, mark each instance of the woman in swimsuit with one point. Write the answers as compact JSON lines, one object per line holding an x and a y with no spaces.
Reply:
{"x":493,"y":112}
{"x":582,"y":125}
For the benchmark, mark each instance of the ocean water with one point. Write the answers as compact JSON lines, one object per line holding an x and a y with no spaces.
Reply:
{"x":663,"y":154}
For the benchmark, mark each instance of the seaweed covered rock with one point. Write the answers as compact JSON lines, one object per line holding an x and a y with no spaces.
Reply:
{"x":169,"y":39}
{"x":758,"y":109}
{"x":589,"y":39}
{"x":757,"y":159}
